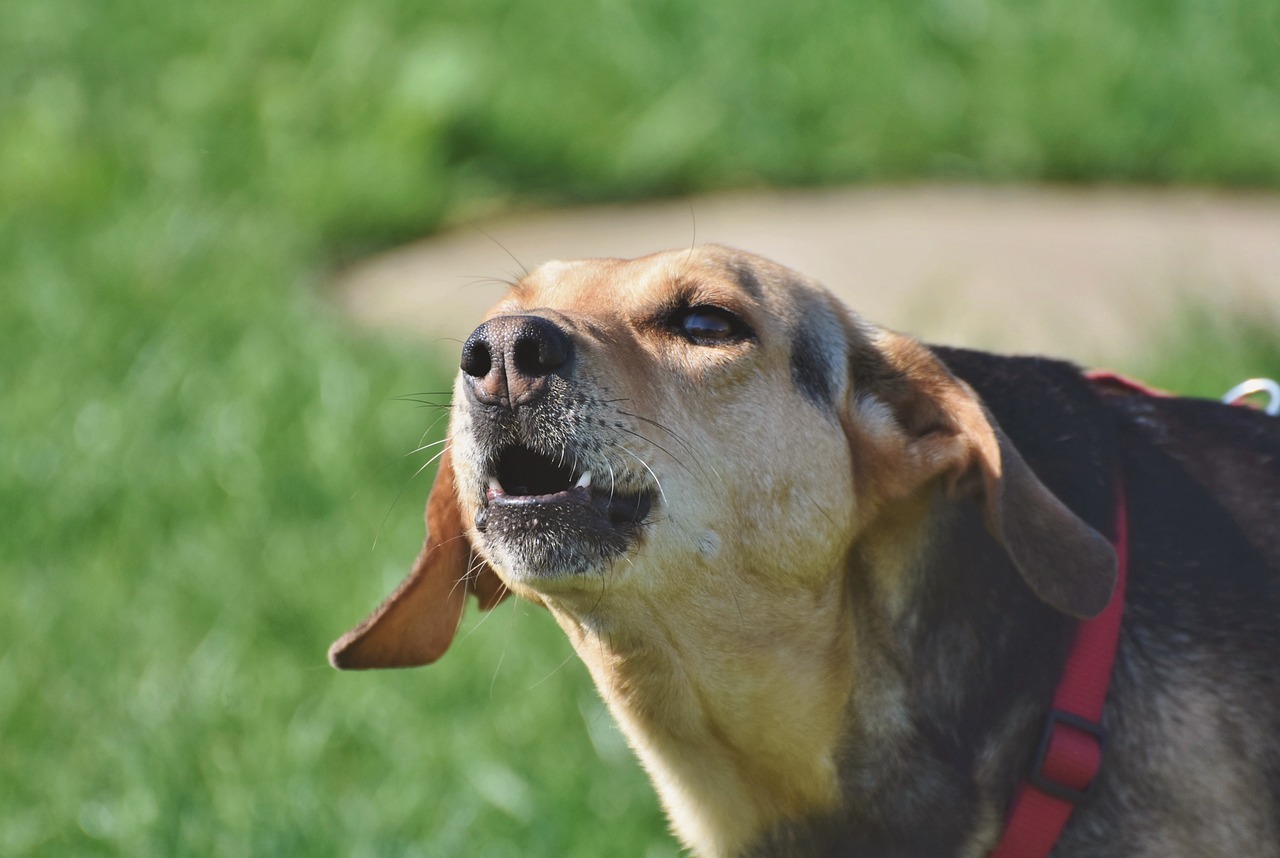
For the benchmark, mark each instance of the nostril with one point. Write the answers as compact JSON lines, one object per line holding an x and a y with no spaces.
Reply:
{"x":540,"y":348}
{"x":532,"y":358}
{"x":477,"y":360}
{"x":528,"y":357}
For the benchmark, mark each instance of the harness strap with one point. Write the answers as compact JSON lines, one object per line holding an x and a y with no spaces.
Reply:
{"x":1073,"y":740}
{"x":1072,"y":743}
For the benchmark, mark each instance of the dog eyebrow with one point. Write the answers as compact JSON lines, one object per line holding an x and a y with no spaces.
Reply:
{"x":714,"y":291}
{"x":813,"y":367}
{"x":745,"y":276}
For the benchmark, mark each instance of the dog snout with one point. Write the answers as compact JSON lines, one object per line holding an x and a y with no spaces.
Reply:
{"x":507,"y":361}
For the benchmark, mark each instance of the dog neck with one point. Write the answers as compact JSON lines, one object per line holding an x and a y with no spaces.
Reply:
{"x":769,"y":722}
{"x":737,"y":722}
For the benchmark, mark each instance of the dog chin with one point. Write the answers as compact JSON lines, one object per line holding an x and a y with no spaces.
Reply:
{"x":574,"y":533}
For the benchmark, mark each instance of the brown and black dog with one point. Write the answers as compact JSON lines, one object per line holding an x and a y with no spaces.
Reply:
{"x":826,"y":577}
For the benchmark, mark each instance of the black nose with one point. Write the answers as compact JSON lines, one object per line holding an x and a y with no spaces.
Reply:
{"x":507,"y":359}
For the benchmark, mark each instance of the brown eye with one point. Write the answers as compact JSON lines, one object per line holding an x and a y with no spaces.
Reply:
{"x":708,"y":324}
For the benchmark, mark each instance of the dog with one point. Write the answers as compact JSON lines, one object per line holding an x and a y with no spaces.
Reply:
{"x":827,"y":578}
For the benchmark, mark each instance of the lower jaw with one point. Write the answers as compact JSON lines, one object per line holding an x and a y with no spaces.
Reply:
{"x":554,"y":571}
{"x":535,"y":544}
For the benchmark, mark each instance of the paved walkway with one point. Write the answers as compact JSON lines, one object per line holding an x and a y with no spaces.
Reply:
{"x":1085,"y":274}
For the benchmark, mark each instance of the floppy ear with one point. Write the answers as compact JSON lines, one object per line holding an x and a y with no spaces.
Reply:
{"x":1068,"y":564}
{"x":416,"y":624}
{"x":924,"y":424}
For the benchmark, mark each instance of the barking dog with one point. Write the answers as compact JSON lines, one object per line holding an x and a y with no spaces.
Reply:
{"x":827,"y":578}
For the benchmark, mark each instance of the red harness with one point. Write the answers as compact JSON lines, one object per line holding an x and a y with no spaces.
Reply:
{"x":1073,"y":740}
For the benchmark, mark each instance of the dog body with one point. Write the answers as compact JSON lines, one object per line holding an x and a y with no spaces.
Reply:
{"x":826,"y":578}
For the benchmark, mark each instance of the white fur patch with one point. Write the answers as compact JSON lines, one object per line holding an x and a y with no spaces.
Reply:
{"x":875,"y":417}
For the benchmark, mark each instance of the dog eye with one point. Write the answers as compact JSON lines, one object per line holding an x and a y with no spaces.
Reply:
{"x":708,"y":324}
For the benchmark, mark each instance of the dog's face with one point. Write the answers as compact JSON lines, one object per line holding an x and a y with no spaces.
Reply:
{"x":704,"y":435}
{"x":648,"y":427}
{"x":681,"y":456}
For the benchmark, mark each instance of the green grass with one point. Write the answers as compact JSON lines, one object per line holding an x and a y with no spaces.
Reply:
{"x":1206,"y":353}
{"x":196,"y":456}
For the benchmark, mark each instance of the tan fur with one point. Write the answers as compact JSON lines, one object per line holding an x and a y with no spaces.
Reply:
{"x":723,"y":642}
{"x":734,"y":733}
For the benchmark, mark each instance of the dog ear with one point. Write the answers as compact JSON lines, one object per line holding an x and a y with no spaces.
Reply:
{"x":416,"y":624}
{"x":1068,"y":564}
{"x":924,"y":424}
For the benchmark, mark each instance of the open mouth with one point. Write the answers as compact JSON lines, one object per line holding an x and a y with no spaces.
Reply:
{"x":525,"y":477}
{"x":553,"y":516}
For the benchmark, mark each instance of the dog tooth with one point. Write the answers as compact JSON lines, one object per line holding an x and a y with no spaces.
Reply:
{"x":584,"y":481}
{"x":495,"y":486}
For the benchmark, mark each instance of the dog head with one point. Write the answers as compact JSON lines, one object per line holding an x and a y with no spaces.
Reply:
{"x":630,"y":432}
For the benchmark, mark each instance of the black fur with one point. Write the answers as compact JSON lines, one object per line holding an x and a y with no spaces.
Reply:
{"x":811,"y":369}
{"x":981,"y":657}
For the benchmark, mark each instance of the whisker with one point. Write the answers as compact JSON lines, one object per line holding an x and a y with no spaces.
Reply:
{"x":460,"y":582}
{"x":605,"y":692}
{"x":425,"y":433}
{"x":681,"y":441}
{"x":554,"y":670}
{"x":645,"y":465}
{"x":424,"y":402}
{"x":425,"y":447}
{"x":430,"y":462}
{"x":809,"y":497}
{"x":487,"y":280}
{"x":471,"y":570}
{"x":484,"y":617}
{"x":403,"y":488}
{"x":505,"y":250}
{"x":425,"y":393}
{"x":742,"y":618}
{"x":434,"y":424}
{"x":600,"y":596}
{"x":413,"y":397}
{"x":648,"y":440}
{"x":502,"y":655}
{"x":402,"y":457}
{"x":687,"y":446}
{"x":693,"y":241}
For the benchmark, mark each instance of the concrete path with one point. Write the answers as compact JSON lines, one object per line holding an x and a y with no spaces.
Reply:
{"x":1085,"y":274}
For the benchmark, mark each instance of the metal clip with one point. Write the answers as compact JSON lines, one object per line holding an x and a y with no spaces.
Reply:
{"x":1252,"y":387}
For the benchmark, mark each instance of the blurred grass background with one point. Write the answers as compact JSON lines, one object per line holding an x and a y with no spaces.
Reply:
{"x":200,"y":463}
